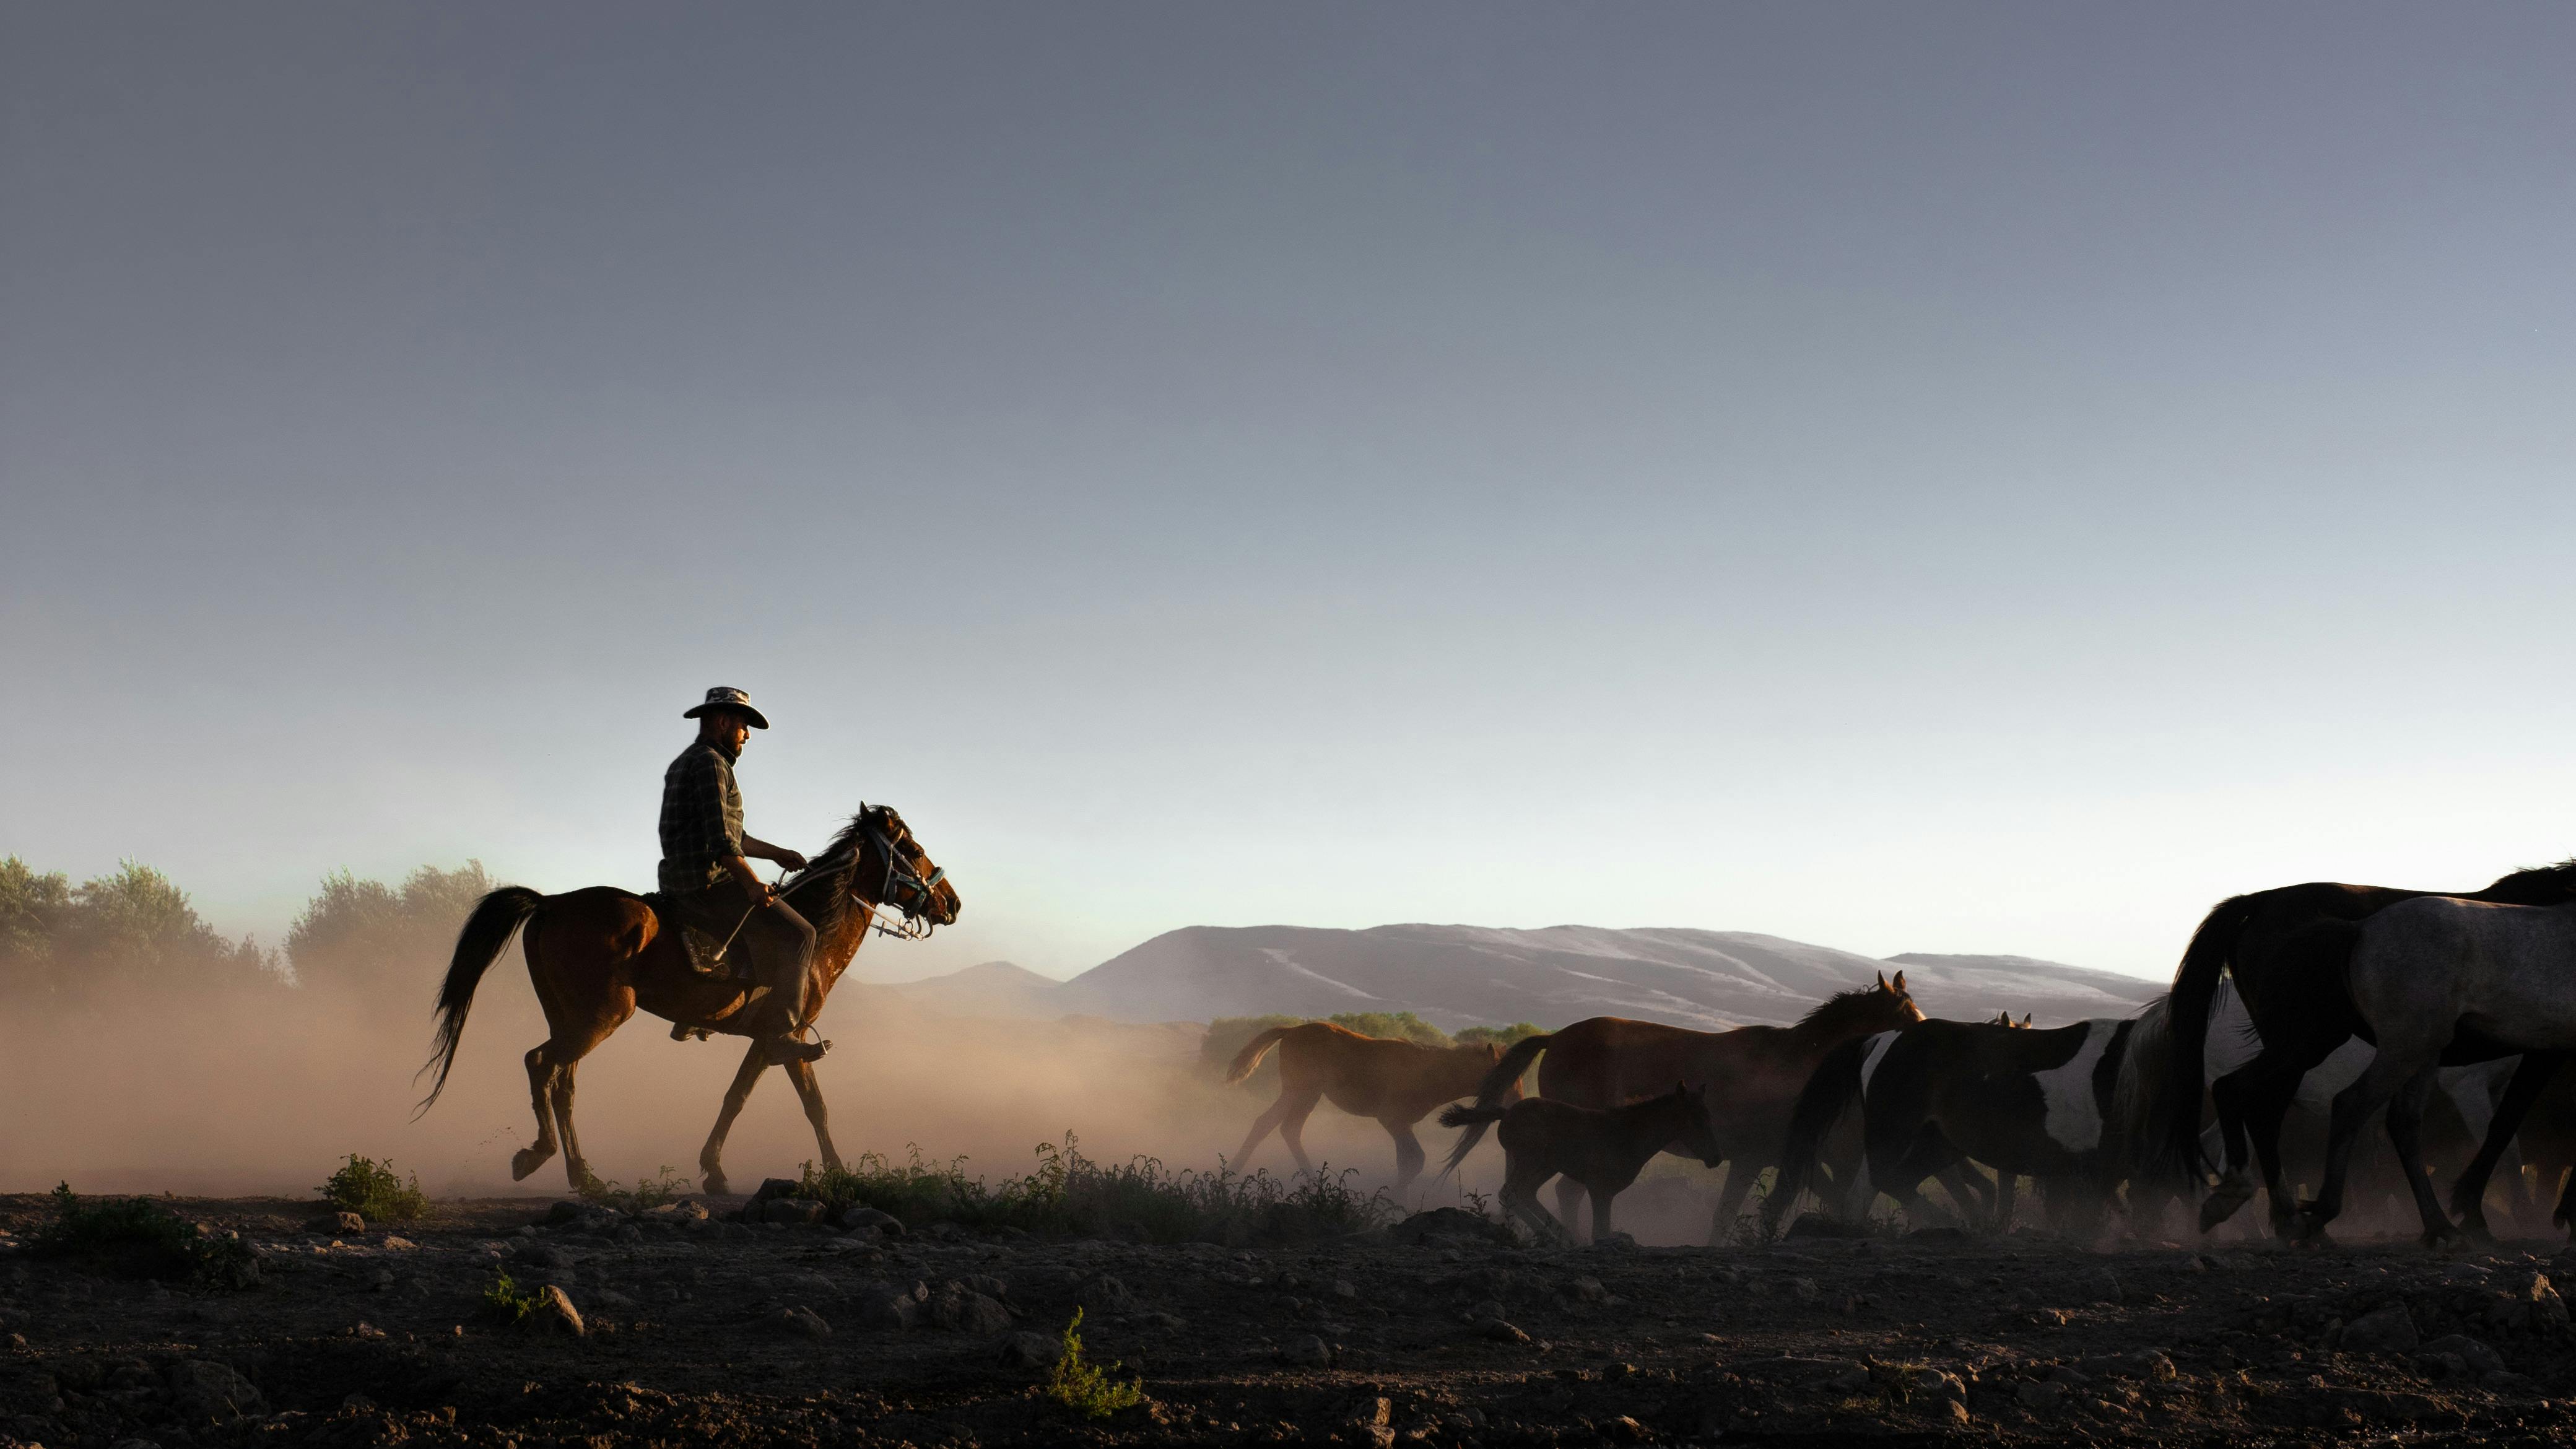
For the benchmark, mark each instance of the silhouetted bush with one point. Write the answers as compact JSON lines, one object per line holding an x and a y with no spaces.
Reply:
{"x":364,"y":935}
{"x":132,"y":930}
{"x":1069,"y":1195}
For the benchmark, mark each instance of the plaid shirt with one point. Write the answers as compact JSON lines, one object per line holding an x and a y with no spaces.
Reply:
{"x":701,"y":818}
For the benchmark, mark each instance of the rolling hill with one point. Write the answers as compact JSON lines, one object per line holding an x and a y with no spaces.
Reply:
{"x":1456,"y":976}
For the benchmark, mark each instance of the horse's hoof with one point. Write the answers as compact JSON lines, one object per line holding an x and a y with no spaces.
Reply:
{"x":525,"y":1161}
{"x":714,"y":1184}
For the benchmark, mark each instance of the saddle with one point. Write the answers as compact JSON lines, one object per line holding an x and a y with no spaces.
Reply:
{"x":705,"y":956}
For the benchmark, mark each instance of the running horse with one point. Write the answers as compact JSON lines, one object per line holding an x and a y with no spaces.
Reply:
{"x":2282,"y":948}
{"x":597,"y":955}
{"x":1754,"y":1075}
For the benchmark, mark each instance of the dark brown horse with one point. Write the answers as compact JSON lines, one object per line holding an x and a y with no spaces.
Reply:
{"x":1396,"y":1082}
{"x":2269,"y":943}
{"x":596,"y":956}
{"x":1753,"y":1075}
{"x":1600,"y":1152}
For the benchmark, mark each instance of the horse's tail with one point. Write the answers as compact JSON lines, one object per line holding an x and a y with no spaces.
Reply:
{"x":2195,"y":989}
{"x":1252,"y":1053}
{"x":1821,"y":1103}
{"x":497,"y":917}
{"x":1459,"y":1114}
{"x":1490,"y":1092}
{"x":2138,"y":1092}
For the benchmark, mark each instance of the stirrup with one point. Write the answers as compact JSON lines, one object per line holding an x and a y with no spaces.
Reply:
{"x":782,"y":1050}
{"x":682,"y":1031}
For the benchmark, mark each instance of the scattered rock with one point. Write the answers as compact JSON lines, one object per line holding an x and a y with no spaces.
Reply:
{"x":2547,"y":1308}
{"x":1615,"y":1239}
{"x":2386,"y":1330}
{"x":1306,"y":1351}
{"x":1957,"y":1413}
{"x":867,"y":1218}
{"x":2151,"y":1364}
{"x":2474,"y":1356}
{"x":1103,"y":1293}
{"x":771,"y":1188}
{"x":2039,"y":1395}
{"x":1502,"y":1332}
{"x":794,"y":1212}
{"x":202,"y":1389}
{"x":329,"y":1224}
{"x":1817,"y":1225}
{"x":801,"y":1322}
{"x":885,"y":1307}
{"x":2103,"y":1287}
{"x":963,"y":1310}
{"x":545,"y":1255}
{"x":683,"y":1211}
{"x":1031,"y":1351}
{"x":1448,"y":1223}
{"x":554,"y":1313}
{"x":1586,"y":1289}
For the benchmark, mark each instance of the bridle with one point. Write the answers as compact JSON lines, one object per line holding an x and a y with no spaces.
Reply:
{"x":899,"y":886}
{"x":902,"y":887}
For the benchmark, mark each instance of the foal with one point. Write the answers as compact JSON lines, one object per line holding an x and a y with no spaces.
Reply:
{"x":1601,"y":1150}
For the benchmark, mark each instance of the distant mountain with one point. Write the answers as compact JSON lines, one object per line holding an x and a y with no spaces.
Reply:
{"x":996,"y":988}
{"x":1457,"y":976}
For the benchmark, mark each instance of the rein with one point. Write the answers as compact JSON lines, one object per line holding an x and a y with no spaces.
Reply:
{"x":899,"y":881}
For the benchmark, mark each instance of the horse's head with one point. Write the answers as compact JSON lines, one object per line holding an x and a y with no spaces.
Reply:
{"x":1698,"y":1135}
{"x":895,"y":871}
{"x":1895,"y":1000}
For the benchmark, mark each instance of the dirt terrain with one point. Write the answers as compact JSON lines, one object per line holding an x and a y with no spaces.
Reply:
{"x":704,"y":1331}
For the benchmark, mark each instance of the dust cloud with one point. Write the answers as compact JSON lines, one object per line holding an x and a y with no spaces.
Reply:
{"x":246,"y":1092}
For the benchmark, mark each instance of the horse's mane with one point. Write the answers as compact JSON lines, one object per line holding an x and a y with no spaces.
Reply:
{"x":1834,"y":1010}
{"x":839,"y":859}
{"x":2544,"y":885}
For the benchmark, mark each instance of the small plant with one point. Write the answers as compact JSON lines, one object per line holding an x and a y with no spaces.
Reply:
{"x":369,"y":1188}
{"x":136,"y":1237}
{"x":668,"y":1187}
{"x":506,"y":1302}
{"x":1069,"y":1195}
{"x":1087,"y":1389}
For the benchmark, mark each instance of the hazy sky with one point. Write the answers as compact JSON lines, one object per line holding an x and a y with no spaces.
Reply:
{"x":1906,"y":477}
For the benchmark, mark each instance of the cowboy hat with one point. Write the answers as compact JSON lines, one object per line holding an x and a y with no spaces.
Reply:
{"x":733,"y":701}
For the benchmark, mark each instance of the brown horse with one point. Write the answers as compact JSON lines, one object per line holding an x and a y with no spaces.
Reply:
{"x":1753,"y":1073}
{"x":596,"y":955}
{"x":1600,"y":1152}
{"x":1396,"y":1082}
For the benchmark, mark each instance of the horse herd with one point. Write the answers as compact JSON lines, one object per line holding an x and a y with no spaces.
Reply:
{"x":2316,"y":1007}
{"x":2452,"y":1012}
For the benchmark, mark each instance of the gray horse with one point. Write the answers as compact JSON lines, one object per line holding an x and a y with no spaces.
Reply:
{"x":2437,"y":976}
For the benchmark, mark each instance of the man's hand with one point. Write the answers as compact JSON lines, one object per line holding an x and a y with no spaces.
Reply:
{"x":753,"y":845}
{"x":788,"y":858}
{"x":752,"y":885}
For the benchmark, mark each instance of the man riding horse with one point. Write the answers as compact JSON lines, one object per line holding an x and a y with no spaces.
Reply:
{"x":707,"y":881}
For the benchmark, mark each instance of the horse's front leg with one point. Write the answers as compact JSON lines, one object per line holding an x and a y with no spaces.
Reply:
{"x":2405,"y":1118}
{"x":711,"y":1157}
{"x":2468,"y":1195}
{"x":809,"y":1090}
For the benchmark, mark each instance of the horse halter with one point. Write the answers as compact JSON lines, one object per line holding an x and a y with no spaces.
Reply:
{"x":903,"y":888}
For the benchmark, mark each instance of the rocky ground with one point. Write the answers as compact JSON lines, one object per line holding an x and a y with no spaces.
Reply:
{"x":701,"y":1331}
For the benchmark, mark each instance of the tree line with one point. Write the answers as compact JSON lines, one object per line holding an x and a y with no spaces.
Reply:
{"x":133,"y":929}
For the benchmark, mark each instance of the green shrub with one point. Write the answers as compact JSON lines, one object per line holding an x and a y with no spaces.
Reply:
{"x":653,"y":1192}
{"x":1401,"y":1025}
{"x":1087,"y":1389}
{"x":369,"y":1188}
{"x":1501,"y":1036}
{"x":1069,"y":1195}
{"x":136,"y":1237}
{"x":506,"y":1302}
